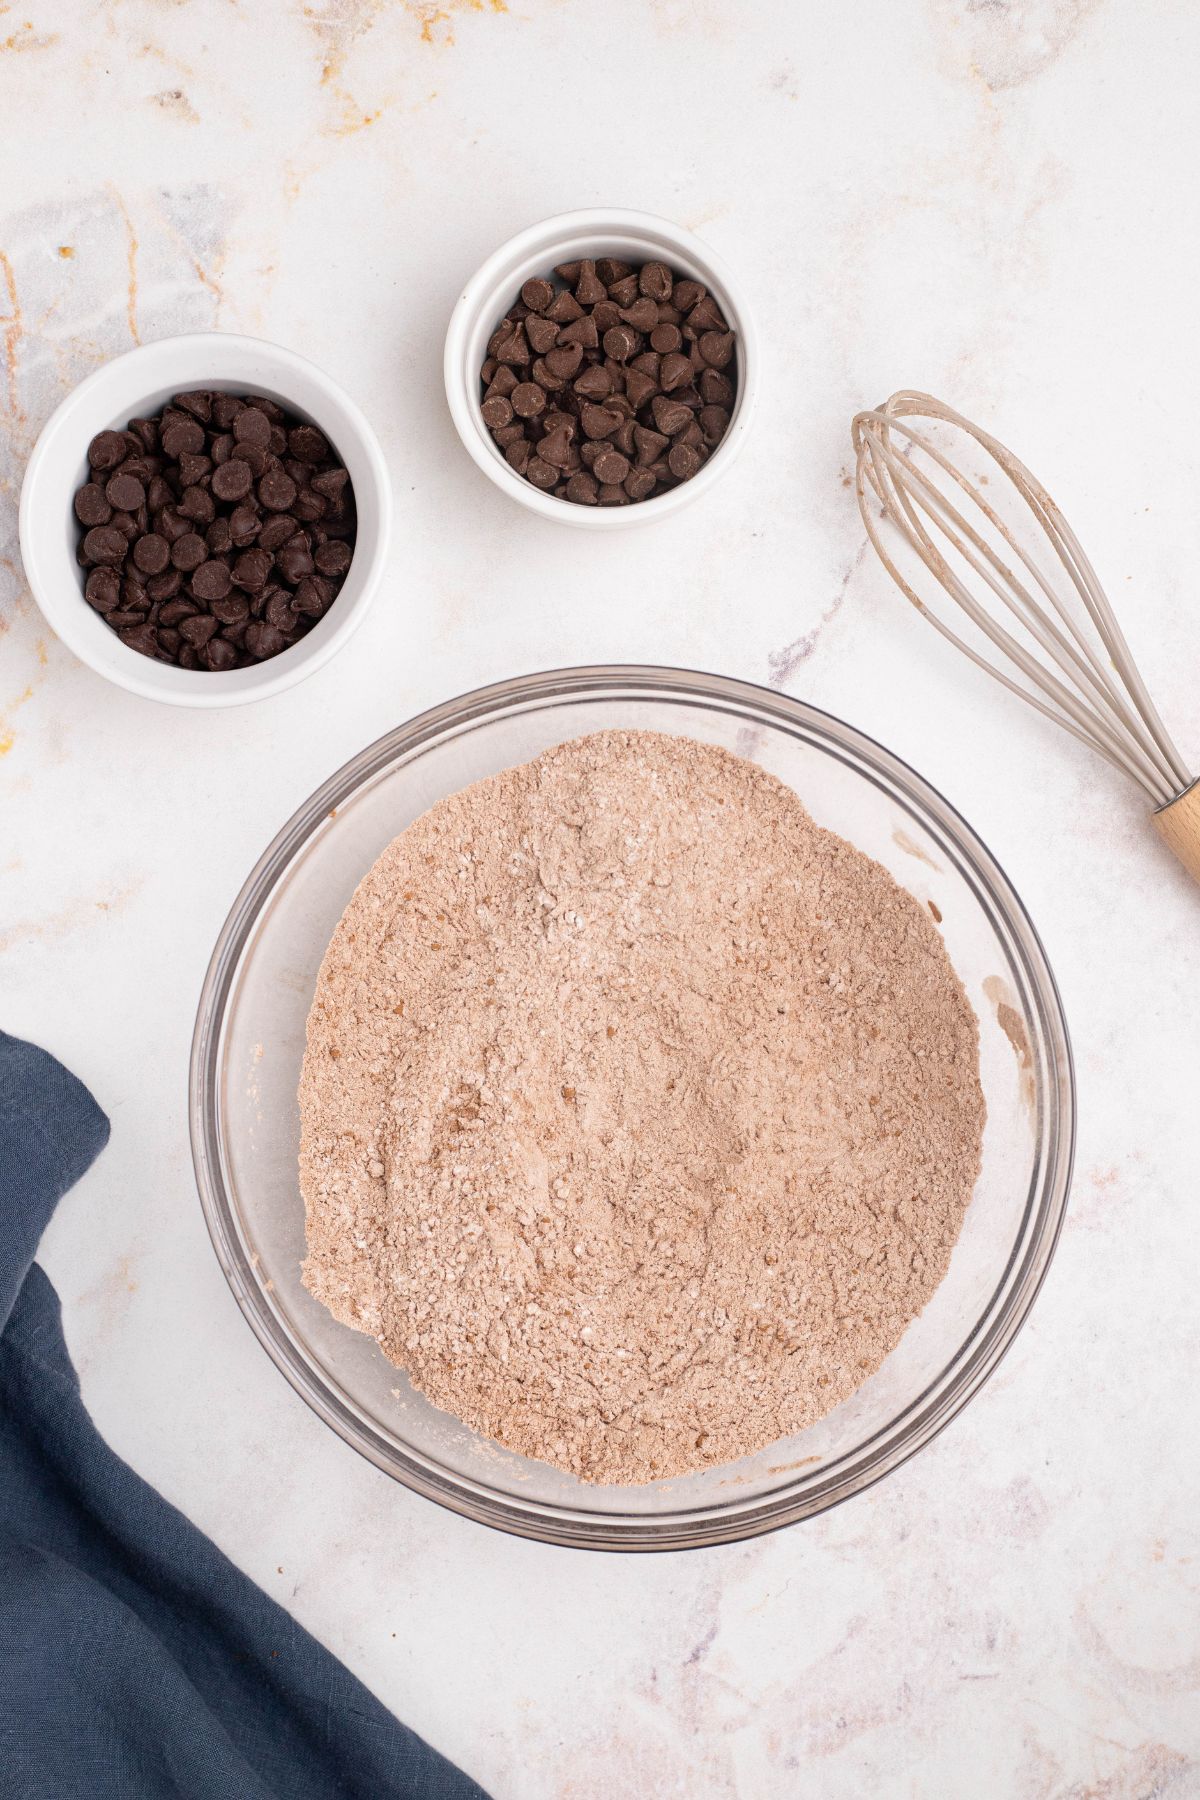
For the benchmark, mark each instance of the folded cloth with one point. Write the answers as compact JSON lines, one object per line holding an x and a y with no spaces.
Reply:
{"x":135,"y":1660}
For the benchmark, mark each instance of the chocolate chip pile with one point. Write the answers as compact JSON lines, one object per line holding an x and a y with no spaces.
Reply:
{"x":612,"y":386}
{"x":216,"y":533}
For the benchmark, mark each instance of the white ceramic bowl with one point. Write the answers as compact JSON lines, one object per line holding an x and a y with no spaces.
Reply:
{"x":633,"y":237}
{"x":135,"y":385}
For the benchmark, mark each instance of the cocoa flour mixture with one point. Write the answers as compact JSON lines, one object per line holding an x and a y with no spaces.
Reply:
{"x":639,"y":1114}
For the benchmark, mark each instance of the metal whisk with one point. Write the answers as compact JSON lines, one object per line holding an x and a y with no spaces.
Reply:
{"x":1068,"y":657}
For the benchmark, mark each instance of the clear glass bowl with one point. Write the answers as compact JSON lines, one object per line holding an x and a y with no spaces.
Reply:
{"x":249,"y":1040}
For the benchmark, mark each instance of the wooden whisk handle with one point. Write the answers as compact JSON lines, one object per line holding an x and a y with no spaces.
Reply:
{"x":1178,"y":825}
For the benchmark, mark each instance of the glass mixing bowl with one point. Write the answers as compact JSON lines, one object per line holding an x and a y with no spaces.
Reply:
{"x":249,"y":1041}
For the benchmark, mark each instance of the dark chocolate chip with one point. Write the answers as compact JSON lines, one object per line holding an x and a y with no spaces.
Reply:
{"x":91,"y":505}
{"x":106,"y":450}
{"x":232,"y":480}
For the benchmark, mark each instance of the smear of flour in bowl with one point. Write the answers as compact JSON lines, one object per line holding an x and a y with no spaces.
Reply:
{"x":639,"y":1114}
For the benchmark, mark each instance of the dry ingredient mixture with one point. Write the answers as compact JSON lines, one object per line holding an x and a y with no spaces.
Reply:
{"x":639,"y":1114}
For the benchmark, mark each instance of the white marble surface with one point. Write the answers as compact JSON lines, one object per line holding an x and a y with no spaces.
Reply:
{"x":995,"y":199}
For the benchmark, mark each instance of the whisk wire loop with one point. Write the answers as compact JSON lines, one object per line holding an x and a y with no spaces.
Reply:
{"x":1079,"y":672}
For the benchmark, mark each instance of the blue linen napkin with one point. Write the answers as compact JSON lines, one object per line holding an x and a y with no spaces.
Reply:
{"x":135,"y":1660}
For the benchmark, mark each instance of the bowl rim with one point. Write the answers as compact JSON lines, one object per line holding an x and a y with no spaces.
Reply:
{"x":37,"y":520}
{"x":1017,"y":1285}
{"x":490,"y":285}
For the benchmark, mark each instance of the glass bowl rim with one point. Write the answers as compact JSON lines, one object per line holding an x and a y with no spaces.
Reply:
{"x":1018,"y":1284}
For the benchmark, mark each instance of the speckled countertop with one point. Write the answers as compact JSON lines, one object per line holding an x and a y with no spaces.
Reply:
{"x":992,"y":199}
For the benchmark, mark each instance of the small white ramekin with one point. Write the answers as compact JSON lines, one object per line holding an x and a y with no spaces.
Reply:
{"x":138,"y":384}
{"x":632,"y":237}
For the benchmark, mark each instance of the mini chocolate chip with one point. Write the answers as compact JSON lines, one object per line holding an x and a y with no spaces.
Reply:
{"x":599,"y":421}
{"x":565,"y":361}
{"x":187,"y":435}
{"x":595,"y":383}
{"x":686,"y":294}
{"x":244,"y":525}
{"x":650,"y":444}
{"x":640,"y":484}
{"x":669,"y":415}
{"x":151,"y":553}
{"x":656,"y":280}
{"x":256,"y":459}
{"x":564,"y":308}
{"x":279,"y":611}
{"x":276,"y":490}
{"x":175,"y":610}
{"x":218,"y":655}
{"x":231,"y":608}
{"x":198,"y":402}
{"x":589,"y":288}
{"x":683,"y":461}
{"x":542,"y":335}
{"x":606,"y":315}
{"x":639,"y":388}
{"x":307,"y":444}
{"x":537,"y":295}
{"x":225,"y":409}
{"x":332,"y":558}
{"x":104,"y":544}
{"x":91,"y":505}
{"x":197,"y":503}
{"x":193,"y":469}
{"x":170,"y":525}
{"x":583,"y":332}
{"x":716,"y":347}
{"x":713,"y":422}
{"x":613,"y":495}
{"x":541,"y":473}
{"x":211,"y":580}
{"x":165,"y":586}
{"x":332,"y":483}
{"x":276,"y":531}
{"x":624,"y":291}
{"x":642,"y":315}
{"x":611,"y":466}
{"x":252,"y":426}
{"x":272,"y":408}
{"x":106,"y":450}
{"x":188,"y":552}
{"x":528,"y":400}
{"x":294,"y":562}
{"x":263,"y":640}
{"x":198,"y":629}
{"x":497,"y":412}
{"x":251,"y":569}
{"x":676,"y":371}
{"x":232,"y":480}
{"x":555,"y":448}
{"x":610,"y":270}
{"x":103,"y":589}
{"x":666,"y":337}
{"x":620,"y":343}
{"x":514,"y":348}
{"x":715,"y":389}
{"x":309,"y":507}
{"x":582,"y":489}
{"x":518,"y":453}
{"x":142,"y":638}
